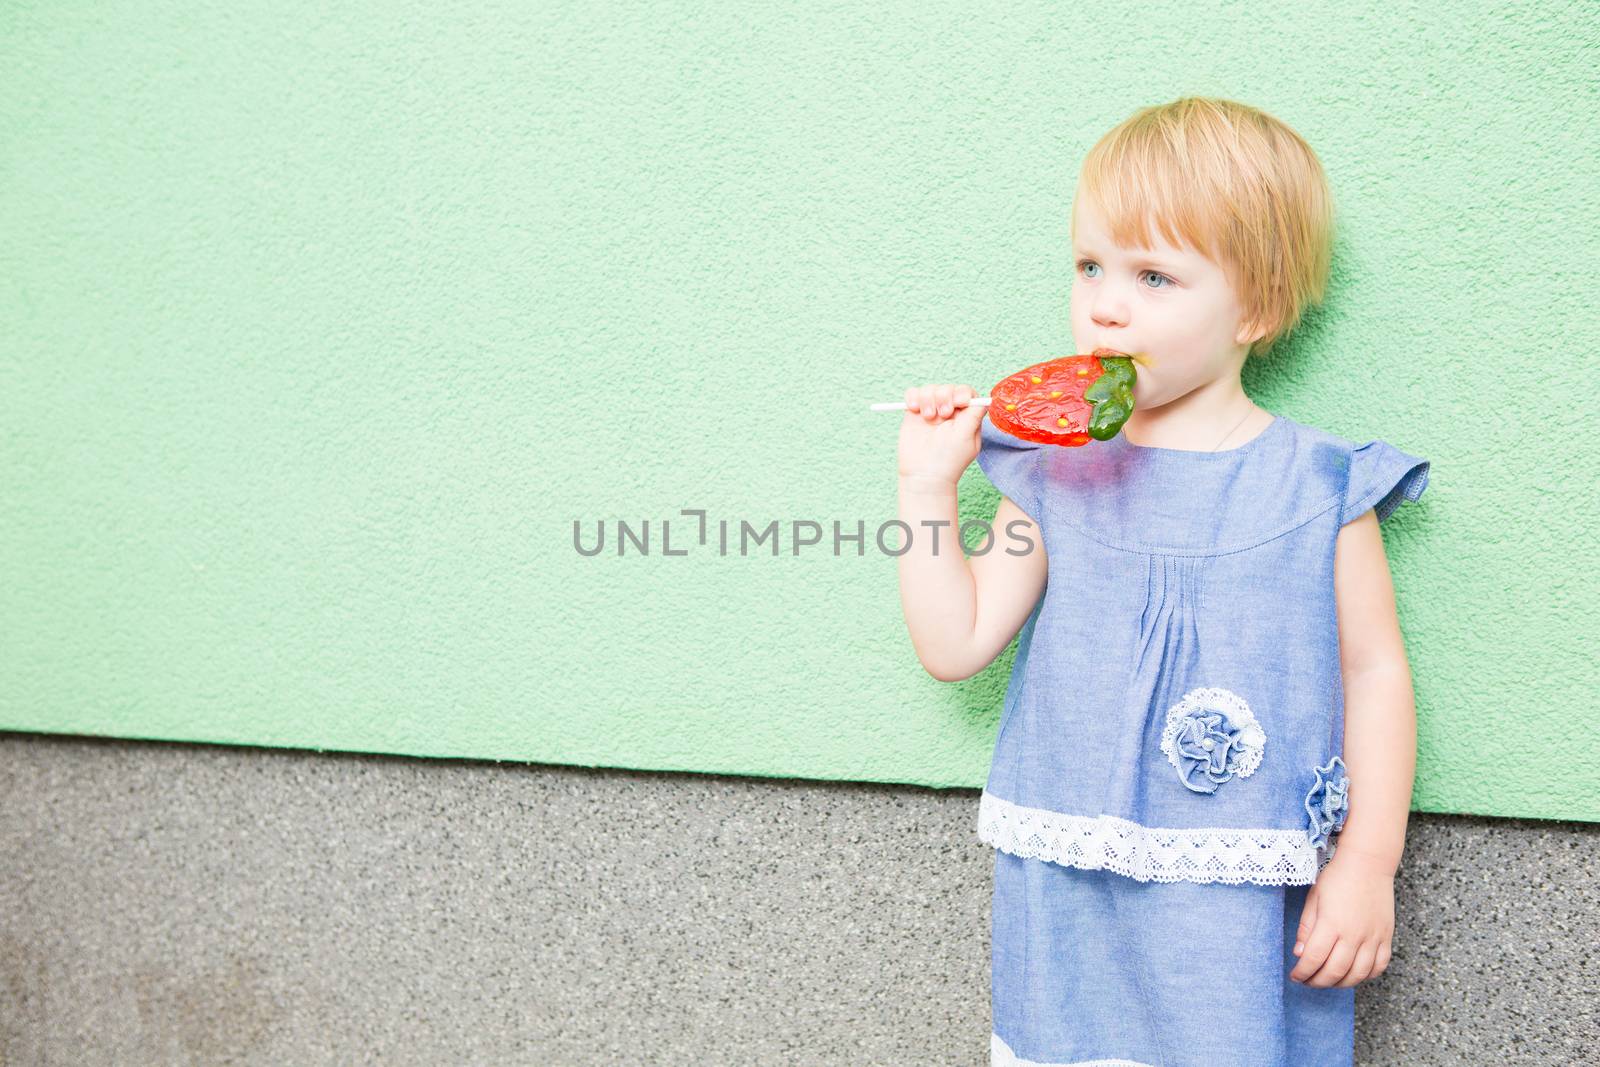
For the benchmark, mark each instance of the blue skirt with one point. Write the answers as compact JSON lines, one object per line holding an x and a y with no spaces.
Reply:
{"x":1093,"y":967}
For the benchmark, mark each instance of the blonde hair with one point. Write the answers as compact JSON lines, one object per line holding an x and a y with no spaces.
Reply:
{"x":1231,"y":182}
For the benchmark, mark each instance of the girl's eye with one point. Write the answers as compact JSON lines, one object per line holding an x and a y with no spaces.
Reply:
{"x":1084,"y":264}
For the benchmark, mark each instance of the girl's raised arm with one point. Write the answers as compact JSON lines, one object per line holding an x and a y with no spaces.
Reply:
{"x":960,"y":615}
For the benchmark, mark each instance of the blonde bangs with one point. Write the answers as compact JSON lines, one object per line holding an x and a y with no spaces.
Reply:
{"x":1230,"y":182}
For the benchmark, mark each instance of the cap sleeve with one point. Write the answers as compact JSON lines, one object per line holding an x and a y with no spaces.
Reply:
{"x":1381,"y":476}
{"x":1011,"y":465}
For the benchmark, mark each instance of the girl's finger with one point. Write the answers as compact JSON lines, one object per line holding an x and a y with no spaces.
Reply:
{"x":1361,"y":969}
{"x":1380,"y":963}
{"x":1336,"y":968}
{"x":1318,"y":945}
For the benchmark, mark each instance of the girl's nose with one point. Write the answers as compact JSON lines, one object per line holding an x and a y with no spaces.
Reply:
{"x":1109,"y":316}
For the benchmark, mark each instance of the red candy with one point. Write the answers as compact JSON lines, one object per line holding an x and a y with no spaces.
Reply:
{"x":1067,"y":401}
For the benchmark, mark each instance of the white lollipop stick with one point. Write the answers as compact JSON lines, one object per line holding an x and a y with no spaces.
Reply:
{"x":975,"y":402}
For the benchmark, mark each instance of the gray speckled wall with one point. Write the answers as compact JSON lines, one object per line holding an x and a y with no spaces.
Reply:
{"x":198,"y":904}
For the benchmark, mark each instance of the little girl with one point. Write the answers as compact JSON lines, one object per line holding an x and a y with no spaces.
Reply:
{"x":1210,"y":689}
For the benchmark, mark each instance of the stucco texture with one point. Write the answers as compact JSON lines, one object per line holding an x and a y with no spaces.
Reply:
{"x":323,"y":327}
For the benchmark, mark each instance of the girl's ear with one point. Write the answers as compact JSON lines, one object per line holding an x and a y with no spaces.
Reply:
{"x":1251,"y":332}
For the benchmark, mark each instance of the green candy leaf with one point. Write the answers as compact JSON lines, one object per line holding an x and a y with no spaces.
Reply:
{"x":1112,"y":397}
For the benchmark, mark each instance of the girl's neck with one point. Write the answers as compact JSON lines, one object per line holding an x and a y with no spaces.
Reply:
{"x":1198,"y":422}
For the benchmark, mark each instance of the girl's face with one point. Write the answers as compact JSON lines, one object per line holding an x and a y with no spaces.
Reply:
{"x":1174,"y":306}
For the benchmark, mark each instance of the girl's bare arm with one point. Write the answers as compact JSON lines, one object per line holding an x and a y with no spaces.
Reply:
{"x":1346,"y":930}
{"x":1380,"y":719}
{"x":960,"y":614}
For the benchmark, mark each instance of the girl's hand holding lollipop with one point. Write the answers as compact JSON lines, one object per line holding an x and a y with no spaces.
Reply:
{"x":1067,"y":401}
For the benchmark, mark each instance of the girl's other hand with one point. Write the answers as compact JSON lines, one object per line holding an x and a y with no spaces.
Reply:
{"x":1346,"y":924}
{"x":939,"y":440}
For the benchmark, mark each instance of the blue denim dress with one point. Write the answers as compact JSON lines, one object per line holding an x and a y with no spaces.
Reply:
{"x":1168,"y":776}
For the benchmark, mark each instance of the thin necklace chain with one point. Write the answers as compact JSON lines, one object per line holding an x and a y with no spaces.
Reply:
{"x":1235,"y":427}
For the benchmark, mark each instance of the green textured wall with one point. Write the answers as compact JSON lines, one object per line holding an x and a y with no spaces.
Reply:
{"x":323,"y":326}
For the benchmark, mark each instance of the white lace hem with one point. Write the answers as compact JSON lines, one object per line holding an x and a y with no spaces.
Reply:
{"x":1152,"y":854}
{"x":1000,"y":1055}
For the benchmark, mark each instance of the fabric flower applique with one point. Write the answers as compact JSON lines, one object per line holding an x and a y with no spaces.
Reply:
{"x":1210,"y":737}
{"x":1328,"y":802}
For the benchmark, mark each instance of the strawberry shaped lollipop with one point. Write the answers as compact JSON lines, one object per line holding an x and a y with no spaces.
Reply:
{"x":1066,"y":401}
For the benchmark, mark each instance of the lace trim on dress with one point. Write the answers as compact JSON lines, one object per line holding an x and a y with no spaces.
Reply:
{"x":1000,"y":1055}
{"x":1152,"y":854}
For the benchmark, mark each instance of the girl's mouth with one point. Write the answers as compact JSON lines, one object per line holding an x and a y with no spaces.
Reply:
{"x":1137,"y":357}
